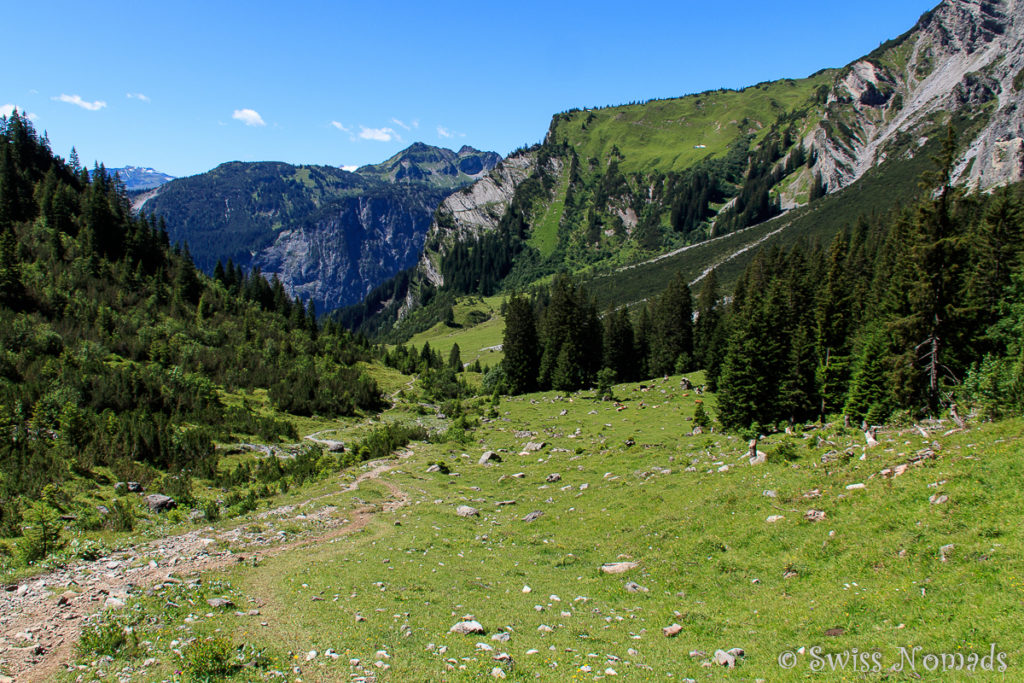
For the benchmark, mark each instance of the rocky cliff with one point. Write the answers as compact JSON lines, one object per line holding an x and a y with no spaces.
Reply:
{"x":963,"y":57}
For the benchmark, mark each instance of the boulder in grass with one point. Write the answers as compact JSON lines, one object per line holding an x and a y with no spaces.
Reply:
{"x":467,"y":627}
{"x":489,"y":457}
{"x":158,"y":502}
{"x":618,"y":567}
{"x":466,"y":511}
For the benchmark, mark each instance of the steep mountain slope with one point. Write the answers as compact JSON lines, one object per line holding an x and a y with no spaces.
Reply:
{"x":327,"y":234}
{"x":616,"y":186}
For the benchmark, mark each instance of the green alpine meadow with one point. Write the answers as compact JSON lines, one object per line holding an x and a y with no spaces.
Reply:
{"x":723,"y":386}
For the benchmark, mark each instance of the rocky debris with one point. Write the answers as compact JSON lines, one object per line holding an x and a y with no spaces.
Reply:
{"x":938,"y":499}
{"x":854,"y":487}
{"x":754,"y":456}
{"x":814,"y":515}
{"x":634,"y":587}
{"x":489,"y":457}
{"x":813,"y":493}
{"x":618,"y":567}
{"x":727,"y":658}
{"x":434,"y":468}
{"x":945,"y":551}
{"x":524,"y":434}
{"x":553,"y":477}
{"x":219,"y":603}
{"x":466,"y":511}
{"x":533,"y":516}
{"x":497,"y":672}
{"x":769,"y":493}
{"x":533,"y":446}
{"x":467,"y":627}
{"x":775,"y":518}
{"x":869,"y":437}
{"x":672,"y":631}
{"x":158,"y":502}
{"x":501,"y":637}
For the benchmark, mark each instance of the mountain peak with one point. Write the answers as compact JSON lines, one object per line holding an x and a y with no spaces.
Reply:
{"x":436,"y":166}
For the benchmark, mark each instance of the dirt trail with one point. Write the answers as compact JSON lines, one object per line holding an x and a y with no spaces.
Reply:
{"x":41,"y":617}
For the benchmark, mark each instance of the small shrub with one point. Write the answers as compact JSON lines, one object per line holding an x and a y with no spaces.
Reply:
{"x":212,"y":511}
{"x":121,"y":517}
{"x":41,"y":533}
{"x":88,"y":519}
{"x":208,"y":659}
{"x":110,"y":638}
{"x":785,"y":451}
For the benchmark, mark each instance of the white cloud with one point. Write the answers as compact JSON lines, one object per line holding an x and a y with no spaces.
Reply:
{"x":79,"y":102}
{"x":350,"y":169}
{"x":136,"y":96}
{"x":378,"y":134}
{"x":341,"y":127}
{"x":400,"y":123}
{"x":443,"y":132}
{"x":249,"y":117}
{"x":8,"y":109}
{"x":415,"y":123}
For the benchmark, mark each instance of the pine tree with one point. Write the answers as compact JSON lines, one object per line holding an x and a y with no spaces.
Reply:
{"x":455,"y":358}
{"x":707,"y":320}
{"x":672,"y":339}
{"x":521,"y":346}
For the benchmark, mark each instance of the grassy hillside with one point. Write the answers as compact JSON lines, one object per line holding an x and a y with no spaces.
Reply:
{"x":891,"y":564}
{"x":674,"y":134}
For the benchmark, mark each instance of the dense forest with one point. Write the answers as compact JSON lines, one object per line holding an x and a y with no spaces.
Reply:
{"x":115,"y":351}
{"x":912,"y":311}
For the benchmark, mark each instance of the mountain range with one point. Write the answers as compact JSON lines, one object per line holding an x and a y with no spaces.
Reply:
{"x":628,"y":192}
{"x":327,"y":234}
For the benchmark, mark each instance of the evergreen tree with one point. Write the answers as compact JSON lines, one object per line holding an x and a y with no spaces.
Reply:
{"x":521,"y":346}
{"x":455,"y":359}
{"x":707,"y":321}
{"x":672,"y":339}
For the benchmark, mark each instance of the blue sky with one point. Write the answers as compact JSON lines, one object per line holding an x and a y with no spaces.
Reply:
{"x":183,"y":86}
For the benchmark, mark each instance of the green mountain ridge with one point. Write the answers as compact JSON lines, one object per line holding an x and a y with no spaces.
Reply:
{"x":616,"y":186}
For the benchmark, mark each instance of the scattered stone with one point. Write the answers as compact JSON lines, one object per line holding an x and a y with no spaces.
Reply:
{"x":813,"y":493}
{"x":532,"y":652}
{"x":938,"y":499}
{"x":527,"y":589}
{"x":544,"y":628}
{"x":218,"y":603}
{"x":835,"y":632}
{"x":360,"y":617}
{"x":502,"y":503}
{"x":467,"y":511}
{"x":433,"y":468}
{"x":633,"y":587}
{"x":113,"y":603}
{"x":945,"y":551}
{"x":723,"y":658}
{"x":519,"y":475}
{"x":467,"y":627}
{"x":497,"y":672}
{"x":854,"y":487}
{"x":533,"y":447}
{"x":672,"y":631}
{"x":488,"y":457}
{"x":723,"y":468}
{"x":533,"y":516}
{"x":501,"y":637}
{"x":311,"y":655}
{"x":160,"y":503}
{"x":618,"y":567}
{"x":814,"y":515}
{"x":553,"y":477}
{"x":775,"y":518}
{"x":769,"y":493}
{"x":134,"y":487}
